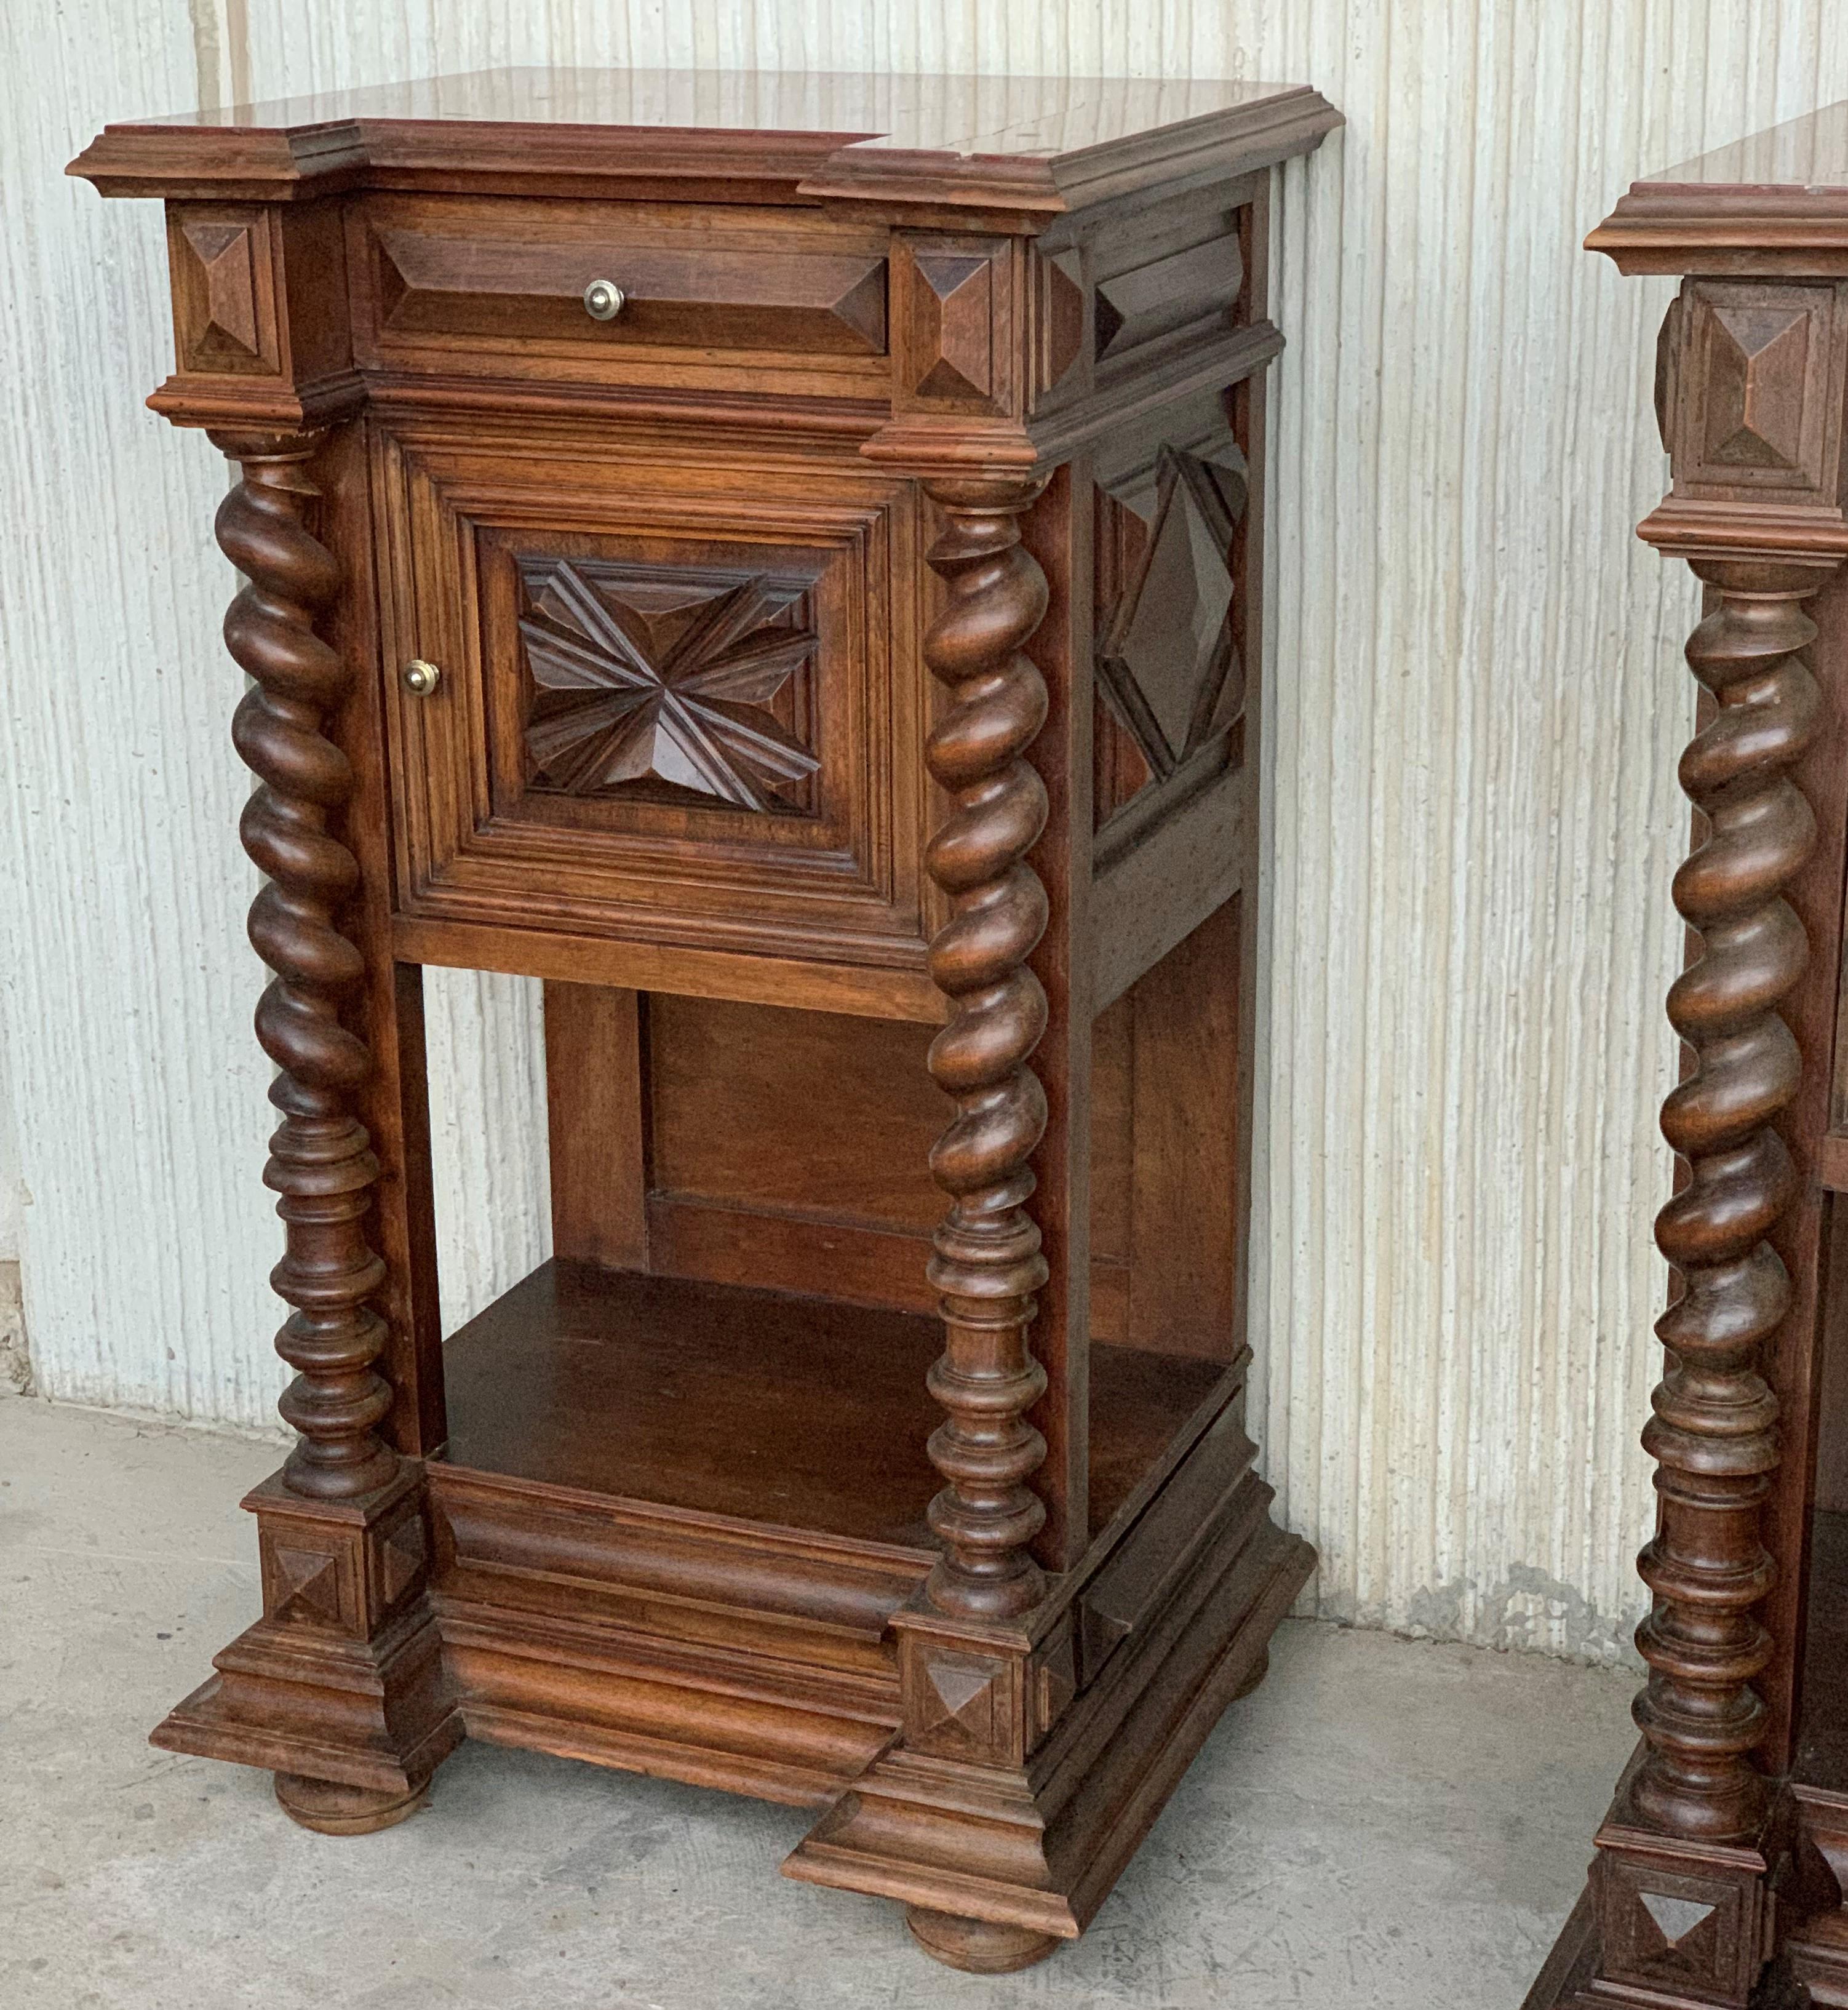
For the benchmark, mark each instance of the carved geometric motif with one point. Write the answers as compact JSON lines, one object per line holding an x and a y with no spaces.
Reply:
{"x":1675,"y":1918}
{"x":303,"y":1584}
{"x":669,"y":681}
{"x":1166,"y":660}
{"x":1758,"y":367}
{"x":220,"y":272}
{"x":1061,"y":317}
{"x":1055,"y":1670}
{"x":951,"y":306}
{"x":958,"y":1709}
{"x":1679,"y":1934}
{"x":401,"y":1558}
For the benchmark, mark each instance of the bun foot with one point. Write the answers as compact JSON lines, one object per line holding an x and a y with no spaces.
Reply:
{"x":331,"y":1808}
{"x":981,"y":1947}
{"x":1259,"y":1668}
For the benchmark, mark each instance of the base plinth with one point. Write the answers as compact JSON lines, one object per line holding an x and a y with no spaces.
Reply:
{"x":979,"y":1947}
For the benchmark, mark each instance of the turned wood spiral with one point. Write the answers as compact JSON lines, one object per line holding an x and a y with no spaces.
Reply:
{"x":321,"y":1163}
{"x":1714,"y":1433}
{"x":988,"y":1266}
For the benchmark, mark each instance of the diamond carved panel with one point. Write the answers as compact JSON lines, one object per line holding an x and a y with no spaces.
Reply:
{"x":666,"y":682}
{"x":1167,"y":660}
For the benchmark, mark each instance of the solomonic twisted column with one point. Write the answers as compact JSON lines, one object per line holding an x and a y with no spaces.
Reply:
{"x":987,"y":1265}
{"x":1714,"y":1433}
{"x":322,"y":1163}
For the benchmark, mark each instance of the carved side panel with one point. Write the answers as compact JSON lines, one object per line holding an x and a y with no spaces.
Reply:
{"x":1170,"y":674}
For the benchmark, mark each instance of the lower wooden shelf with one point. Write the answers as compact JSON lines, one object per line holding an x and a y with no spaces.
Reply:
{"x":756,"y":1405}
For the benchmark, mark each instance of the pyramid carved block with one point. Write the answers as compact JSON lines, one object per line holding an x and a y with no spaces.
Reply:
{"x":1663,"y":1930}
{"x":951,"y":306}
{"x":961,"y":1705}
{"x":311,"y":1575}
{"x":1754,"y":398}
{"x":1061,"y":307}
{"x":955,"y":300}
{"x":401,"y":1555}
{"x":1741,"y":379}
{"x":224,"y":311}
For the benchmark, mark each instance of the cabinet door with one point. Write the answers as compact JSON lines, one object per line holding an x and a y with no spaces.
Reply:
{"x":679,"y":702}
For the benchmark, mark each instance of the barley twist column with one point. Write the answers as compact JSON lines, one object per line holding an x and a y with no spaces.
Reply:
{"x":321,"y":1163}
{"x":1714,"y":1432}
{"x":988,"y":1266}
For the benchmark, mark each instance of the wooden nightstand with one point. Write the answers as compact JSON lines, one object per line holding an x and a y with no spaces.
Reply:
{"x":1725,"y":1851}
{"x":777,"y":558}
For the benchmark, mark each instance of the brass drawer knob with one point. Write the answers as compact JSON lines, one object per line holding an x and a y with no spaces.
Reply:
{"x":603,"y":299}
{"x":420,"y":678}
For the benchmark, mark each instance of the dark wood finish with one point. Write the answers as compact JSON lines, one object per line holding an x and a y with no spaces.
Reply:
{"x":1722,"y":1854}
{"x":321,"y":1159}
{"x":987,"y":1264}
{"x":826,"y":668}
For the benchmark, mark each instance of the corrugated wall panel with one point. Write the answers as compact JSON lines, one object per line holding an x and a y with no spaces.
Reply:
{"x":1475,"y":693}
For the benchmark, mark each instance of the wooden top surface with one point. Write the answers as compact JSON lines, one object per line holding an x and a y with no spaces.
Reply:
{"x":1806,"y":153}
{"x":1773,"y":202}
{"x":1042,"y":143}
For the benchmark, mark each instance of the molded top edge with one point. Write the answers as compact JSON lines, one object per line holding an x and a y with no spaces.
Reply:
{"x":1016,"y":138}
{"x":1775,"y":202}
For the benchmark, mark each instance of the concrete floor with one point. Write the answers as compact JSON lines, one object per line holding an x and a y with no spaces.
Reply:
{"x":1384,"y":1823}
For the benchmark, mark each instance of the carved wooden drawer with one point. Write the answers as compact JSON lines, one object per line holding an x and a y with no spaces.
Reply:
{"x":505,"y":281}
{"x":673,"y":696}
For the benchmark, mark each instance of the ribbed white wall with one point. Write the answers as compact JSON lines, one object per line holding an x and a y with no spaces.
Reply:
{"x":1474,"y":692}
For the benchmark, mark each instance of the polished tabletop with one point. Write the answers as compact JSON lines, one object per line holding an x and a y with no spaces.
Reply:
{"x":1806,"y":153}
{"x":1039,"y":144}
{"x":957,"y":115}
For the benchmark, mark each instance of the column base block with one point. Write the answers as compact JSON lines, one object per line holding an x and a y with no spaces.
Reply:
{"x":339,"y":1688}
{"x":1035,"y":1847}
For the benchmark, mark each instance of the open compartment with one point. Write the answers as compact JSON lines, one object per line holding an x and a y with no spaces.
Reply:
{"x":736,"y":1319}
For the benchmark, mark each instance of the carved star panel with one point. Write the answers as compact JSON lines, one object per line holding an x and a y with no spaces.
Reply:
{"x":669,"y":682}
{"x":1167,"y":661}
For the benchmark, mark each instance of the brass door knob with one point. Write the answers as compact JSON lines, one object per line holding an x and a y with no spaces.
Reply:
{"x":603,"y":299}
{"x":420,"y":678}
